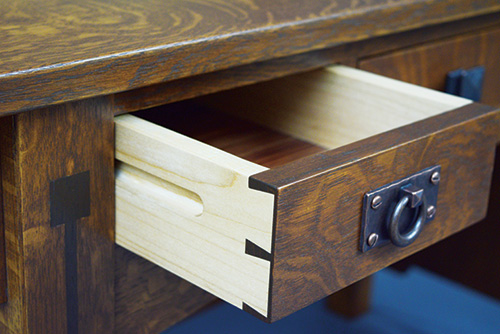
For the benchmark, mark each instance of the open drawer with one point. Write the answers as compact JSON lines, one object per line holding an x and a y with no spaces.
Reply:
{"x":272,"y":241}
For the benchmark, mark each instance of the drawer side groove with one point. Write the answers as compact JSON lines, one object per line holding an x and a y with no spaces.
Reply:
{"x":207,"y":249}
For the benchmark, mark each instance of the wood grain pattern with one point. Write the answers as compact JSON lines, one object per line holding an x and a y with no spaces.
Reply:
{"x":475,"y":249}
{"x":431,"y":62}
{"x":49,"y":56}
{"x":158,"y":217}
{"x":45,"y":145}
{"x":190,"y":87}
{"x":334,"y":106}
{"x":3,"y":263}
{"x":428,"y":64}
{"x":385,"y":96}
{"x":54,"y":52}
{"x":319,"y":198}
{"x":244,"y":139}
{"x":149,"y":299}
{"x":347,"y":54}
{"x":12,"y":313}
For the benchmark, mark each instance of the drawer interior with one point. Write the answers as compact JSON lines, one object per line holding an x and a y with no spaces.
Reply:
{"x":182,"y":182}
{"x":334,"y":106}
{"x":245,"y":139}
{"x":277,"y":122}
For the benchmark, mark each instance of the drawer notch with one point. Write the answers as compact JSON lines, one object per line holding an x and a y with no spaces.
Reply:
{"x":254,"y":250}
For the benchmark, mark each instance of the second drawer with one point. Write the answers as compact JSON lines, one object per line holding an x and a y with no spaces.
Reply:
{"x":272,"y":241}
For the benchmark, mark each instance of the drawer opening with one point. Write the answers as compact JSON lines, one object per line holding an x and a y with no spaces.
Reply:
{"x":334,"y":106}
{"x":230,"y":133}
{"x":276,"y":122}
{"x":204,"y":151}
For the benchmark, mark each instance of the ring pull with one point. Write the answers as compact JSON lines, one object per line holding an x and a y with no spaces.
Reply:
{"x":413,"y":197}
{"x":397,"y":212}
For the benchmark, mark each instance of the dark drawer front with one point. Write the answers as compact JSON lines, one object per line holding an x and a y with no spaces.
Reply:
{"x":319,"y":201}
{"x":428,"y":64}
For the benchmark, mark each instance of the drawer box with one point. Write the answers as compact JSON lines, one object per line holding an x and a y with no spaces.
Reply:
{"x":272,"y":241}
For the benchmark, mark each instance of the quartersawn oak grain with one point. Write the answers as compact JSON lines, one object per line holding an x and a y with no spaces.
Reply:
{"x":38,"y":147}
{"x":475,"y":248}
{"x":61,"y":51}
{"x":435,"y":60}
{"x":85,"y":72}
{"x":11,"y":313}
{"x":319,"y":198}
{"x":347,"y":54}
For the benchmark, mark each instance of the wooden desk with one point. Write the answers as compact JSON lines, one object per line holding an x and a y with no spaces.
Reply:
{"x":66,"y":69}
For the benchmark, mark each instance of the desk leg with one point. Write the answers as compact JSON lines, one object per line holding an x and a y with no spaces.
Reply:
{"x":44,"y":153}
{"x":353,"y":300}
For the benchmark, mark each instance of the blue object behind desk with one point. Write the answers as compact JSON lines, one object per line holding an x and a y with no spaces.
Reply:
{"x":415,"y":302}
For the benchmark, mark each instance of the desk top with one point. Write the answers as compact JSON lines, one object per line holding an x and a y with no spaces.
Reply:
{"x":57,"y":51}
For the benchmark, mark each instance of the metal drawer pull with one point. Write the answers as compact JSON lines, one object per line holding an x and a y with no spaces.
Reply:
{"x":415,"y":199}
{"x":397,"y":212}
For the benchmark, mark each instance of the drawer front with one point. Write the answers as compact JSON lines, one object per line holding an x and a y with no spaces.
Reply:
{"x":427,"y":65}
{"x":319,"y":201}
{"x":272,"y":241}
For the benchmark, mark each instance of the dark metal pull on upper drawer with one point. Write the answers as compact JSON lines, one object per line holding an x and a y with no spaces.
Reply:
{"x":397,"y":212}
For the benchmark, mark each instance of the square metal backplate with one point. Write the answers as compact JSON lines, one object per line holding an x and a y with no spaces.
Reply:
{"x":375,"y":220}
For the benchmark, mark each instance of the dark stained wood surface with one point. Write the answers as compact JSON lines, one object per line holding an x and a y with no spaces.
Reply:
{"x":319,"y":199}
{"x":186,"y":88}
{"x":347,"y":54}
{"x":59,"y":51}
{"x":39,"y":147}
{"x":3,"y":264}
{"x":470,"y":257}
{"x":353,"y":300}
{"x":12,"y":318}
{"x":427,"y":65}
{"x":475,"y":249}
{"x":149,"y":299}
